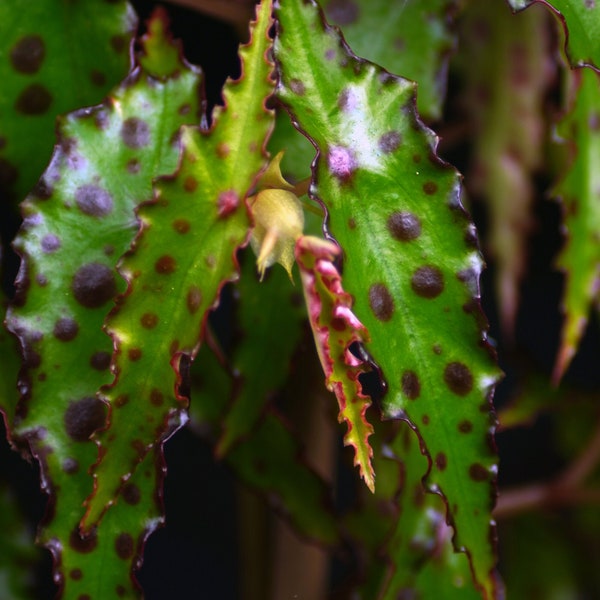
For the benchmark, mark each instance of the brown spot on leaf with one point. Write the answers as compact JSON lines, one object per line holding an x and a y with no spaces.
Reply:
{"x":84,"y":544}
{"x":94,"y":285}
{"x":118,"y":43}
{"x":465,"y":426}
{"x":381,"y":301}
{"x":35,"y":99}
{"x":121,"y":400}
{"x":149,"y":320}
{"x":477,"y":472}
{"x":124,"y":546}
{"x":100,"y":361}
{"x":190,"y":183}
{"x":65,"y":329}
{"x":27,"y":55}
{"x":133,"y":166}
{"x":411,"y":386}
{"x":404,"y":226}
{"x":194,"y":299}
{"x":157,"y":398}
{"x":430,"y":188}
{"x":390,"y":141}
{"x":458,"y":378}
{"x":441,"y":461}
{"x":427,"y":282}
{"x":70,"y":466}
{"x":75,"y":574}
{"x":131,"y":494}
{"x":181,"y":225}
{"x":134,"y":354}
{"x":93,"y":200}
{"x":97,"y":77}
{"x":50,"y":243}
{"x":165,"y":265}
{"x":83,"y":417}
{"x":135,"y":133}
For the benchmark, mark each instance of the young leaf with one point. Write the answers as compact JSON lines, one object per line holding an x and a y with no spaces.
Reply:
{"x":53,"y":59}
{"x":77,"y":223}
{"x":581,"y":21}
{"x":411,"y":260}
{"x":335,"y":329}
{"x":580,"y":258}
{"x":507,"y":112}
{"x":410,"y":38}
{"x":182,"y":257}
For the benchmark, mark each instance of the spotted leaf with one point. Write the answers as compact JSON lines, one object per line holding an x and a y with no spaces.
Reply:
{"x":581,"y":21}
{"x":410,"y":261}
{"x":507,"y":112}
{"x":78,"y":221}
{"x":335,"y":329}
{"x":410,"y":38}
{"x":182,"y":257}
{"x":580,"y":195}
{"x":53,"y":60}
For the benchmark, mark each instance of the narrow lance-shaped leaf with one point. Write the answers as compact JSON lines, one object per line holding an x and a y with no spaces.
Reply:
{"x":53,"y":59}
{"x":510,"y":130}
{"x":335,"y":329}
{"x":411,"y":261}
{"x":183,"y":256}
{"x":270,"y":318}
{"x":581,"y":20}
{"x":77,"y":224}
{"x":411,"y":38}
{"x":580,"y":194}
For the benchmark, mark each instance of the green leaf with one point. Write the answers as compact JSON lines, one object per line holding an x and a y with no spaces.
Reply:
{"x":77,"y":224}
{"x":54,"y":58}
{"x":270,"y":318}
{"x":411,"y":38}
{"x":507,"y":113}
{"x":581,"y":21}
{"x":580,"y":195}
{"x":183,"y":256}
{"x":411,"y":260}
{"x":335,"y":329}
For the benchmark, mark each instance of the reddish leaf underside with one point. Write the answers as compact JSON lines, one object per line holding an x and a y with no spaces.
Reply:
{"x":335,"y":329}
{"x":182,"y":257}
